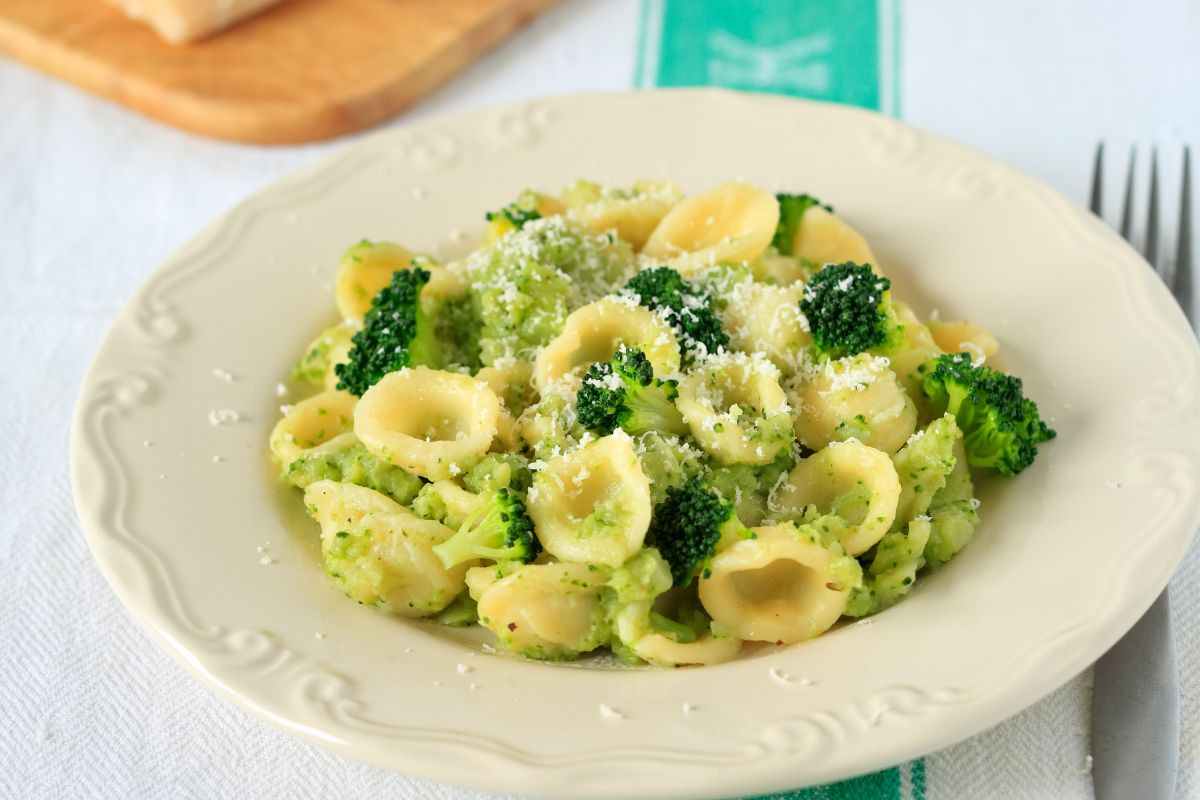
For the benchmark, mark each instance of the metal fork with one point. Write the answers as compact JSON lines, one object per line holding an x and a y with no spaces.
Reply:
{"x":1135,"y":703}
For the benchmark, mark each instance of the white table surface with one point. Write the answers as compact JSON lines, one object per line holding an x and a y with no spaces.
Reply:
{"x":92,"y":198}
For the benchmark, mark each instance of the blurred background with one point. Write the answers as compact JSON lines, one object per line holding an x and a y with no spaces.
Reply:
{"x":94,"y":194}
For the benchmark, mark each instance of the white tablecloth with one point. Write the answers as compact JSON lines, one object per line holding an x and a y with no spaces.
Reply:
{"x":92,"y":198}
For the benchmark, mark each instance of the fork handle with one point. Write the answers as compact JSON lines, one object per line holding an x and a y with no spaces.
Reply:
{"x":1135,"y":712}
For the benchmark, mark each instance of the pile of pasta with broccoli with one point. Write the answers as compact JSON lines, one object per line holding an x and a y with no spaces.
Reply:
{"x":634,"y":420}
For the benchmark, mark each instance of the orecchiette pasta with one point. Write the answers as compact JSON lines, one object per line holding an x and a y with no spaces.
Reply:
{"x":857,"y":397}
{"x":782,"y":586}
{"x":825,"y":238}
{"x":311,"y":423}
{"x":856,"y":482}
{"x":964,"y":337}
{"x":325,"y":352}
{"x":708,"y":649}
{"x":592,"y":333}
{"x":543,"y":610}
{"x":512,"y":381}
{"x":736,"y":409}
{"x":733,"y":222}
{"x":763,"y":318}
{"x":633,"y":213}
{"x":592,"y":505}
{"x":340,"y":506}
{"x":586,"y":414}
{"x":917,"y":348}
{"x":368,"y":266}
{"x":379,"y":553}
{"x":435,"y":424}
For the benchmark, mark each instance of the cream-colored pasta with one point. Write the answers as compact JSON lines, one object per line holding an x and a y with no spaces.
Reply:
{"x":733,"y":222}
{"x":456,"y":503}
{"x":367,"y":267}
{"x":543,"y":610}
{"x":593,"y":333}
{"x":857,"y":397}
{"x":633,"y":213}
{"x":310,"y":423}
{"x":736,"y":409}
{"x":387,"y":560}
{"x":321,"y":357}
{"x":512,"y":381}
{"x":965,"y":337}
{"x":592,"y":505}
{"x":856,"y":482}
{"x":825,"y":238}
{"x":340,"y":506}
{"x":432,"y":423}
{"x":776,"y":268}
{"x":782,"y":586}
{"x":663,"y":651}
{"x":917,"y":348}
{"x":767,"y":319}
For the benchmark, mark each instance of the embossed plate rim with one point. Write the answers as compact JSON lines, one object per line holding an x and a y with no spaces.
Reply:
{"x":801,"y":739}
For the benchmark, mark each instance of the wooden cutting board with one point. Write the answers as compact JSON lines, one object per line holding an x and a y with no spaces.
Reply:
{"x":301,"y":71}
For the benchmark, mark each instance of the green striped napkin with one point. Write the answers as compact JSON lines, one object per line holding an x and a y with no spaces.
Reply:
{"x":844,"y":51}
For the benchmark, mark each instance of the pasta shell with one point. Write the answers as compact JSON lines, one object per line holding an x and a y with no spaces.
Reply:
{"x":593,"y":505}
{"x":736,"y":409}
{"x":779,"y":587}
{"x":665,"y":652}
{"x":311,"y":423}
{"x":543,"y":610}
{"x":593,"y":332}
{"x":733,"y":222}
{"x":633,"y":213}
{"x":432,"y":423}
{"x":964,"y":337}
{"x":367,"y":267}
{"x":825,"y":238}
{"x":835,"y":480}
{"x":858,"y":397}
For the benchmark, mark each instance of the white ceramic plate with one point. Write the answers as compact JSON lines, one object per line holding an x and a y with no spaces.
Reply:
{"x":1069,"y":554}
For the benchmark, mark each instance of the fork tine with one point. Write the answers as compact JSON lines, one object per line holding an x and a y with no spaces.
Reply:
{"x":1183,"y":253}
{"x":1097,"y":202}
{"x":1152,"y":219}
{"x":1127,"y":205}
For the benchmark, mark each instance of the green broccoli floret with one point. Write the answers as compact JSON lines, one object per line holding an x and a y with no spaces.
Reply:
{"x":690,"y":526}
{"x":623,"y":393}
{"x":688,"y":308}
{"x":849,"y":310}
{"x":500,"y":531}
{"x":396,"y":333}
{"x":791,"y":212}
{"x":1001,"y":427}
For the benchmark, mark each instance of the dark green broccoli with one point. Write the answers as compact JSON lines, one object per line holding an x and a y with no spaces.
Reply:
{"x":688,"y":308}
{"x":623,"y":393}
{"x":791,"y":212}
{"x":1001,"y":427}
{"x":396,"y":333}
{"x":499,"y":531}
{"x":690,"y":526}
{"x":849,"y":310}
